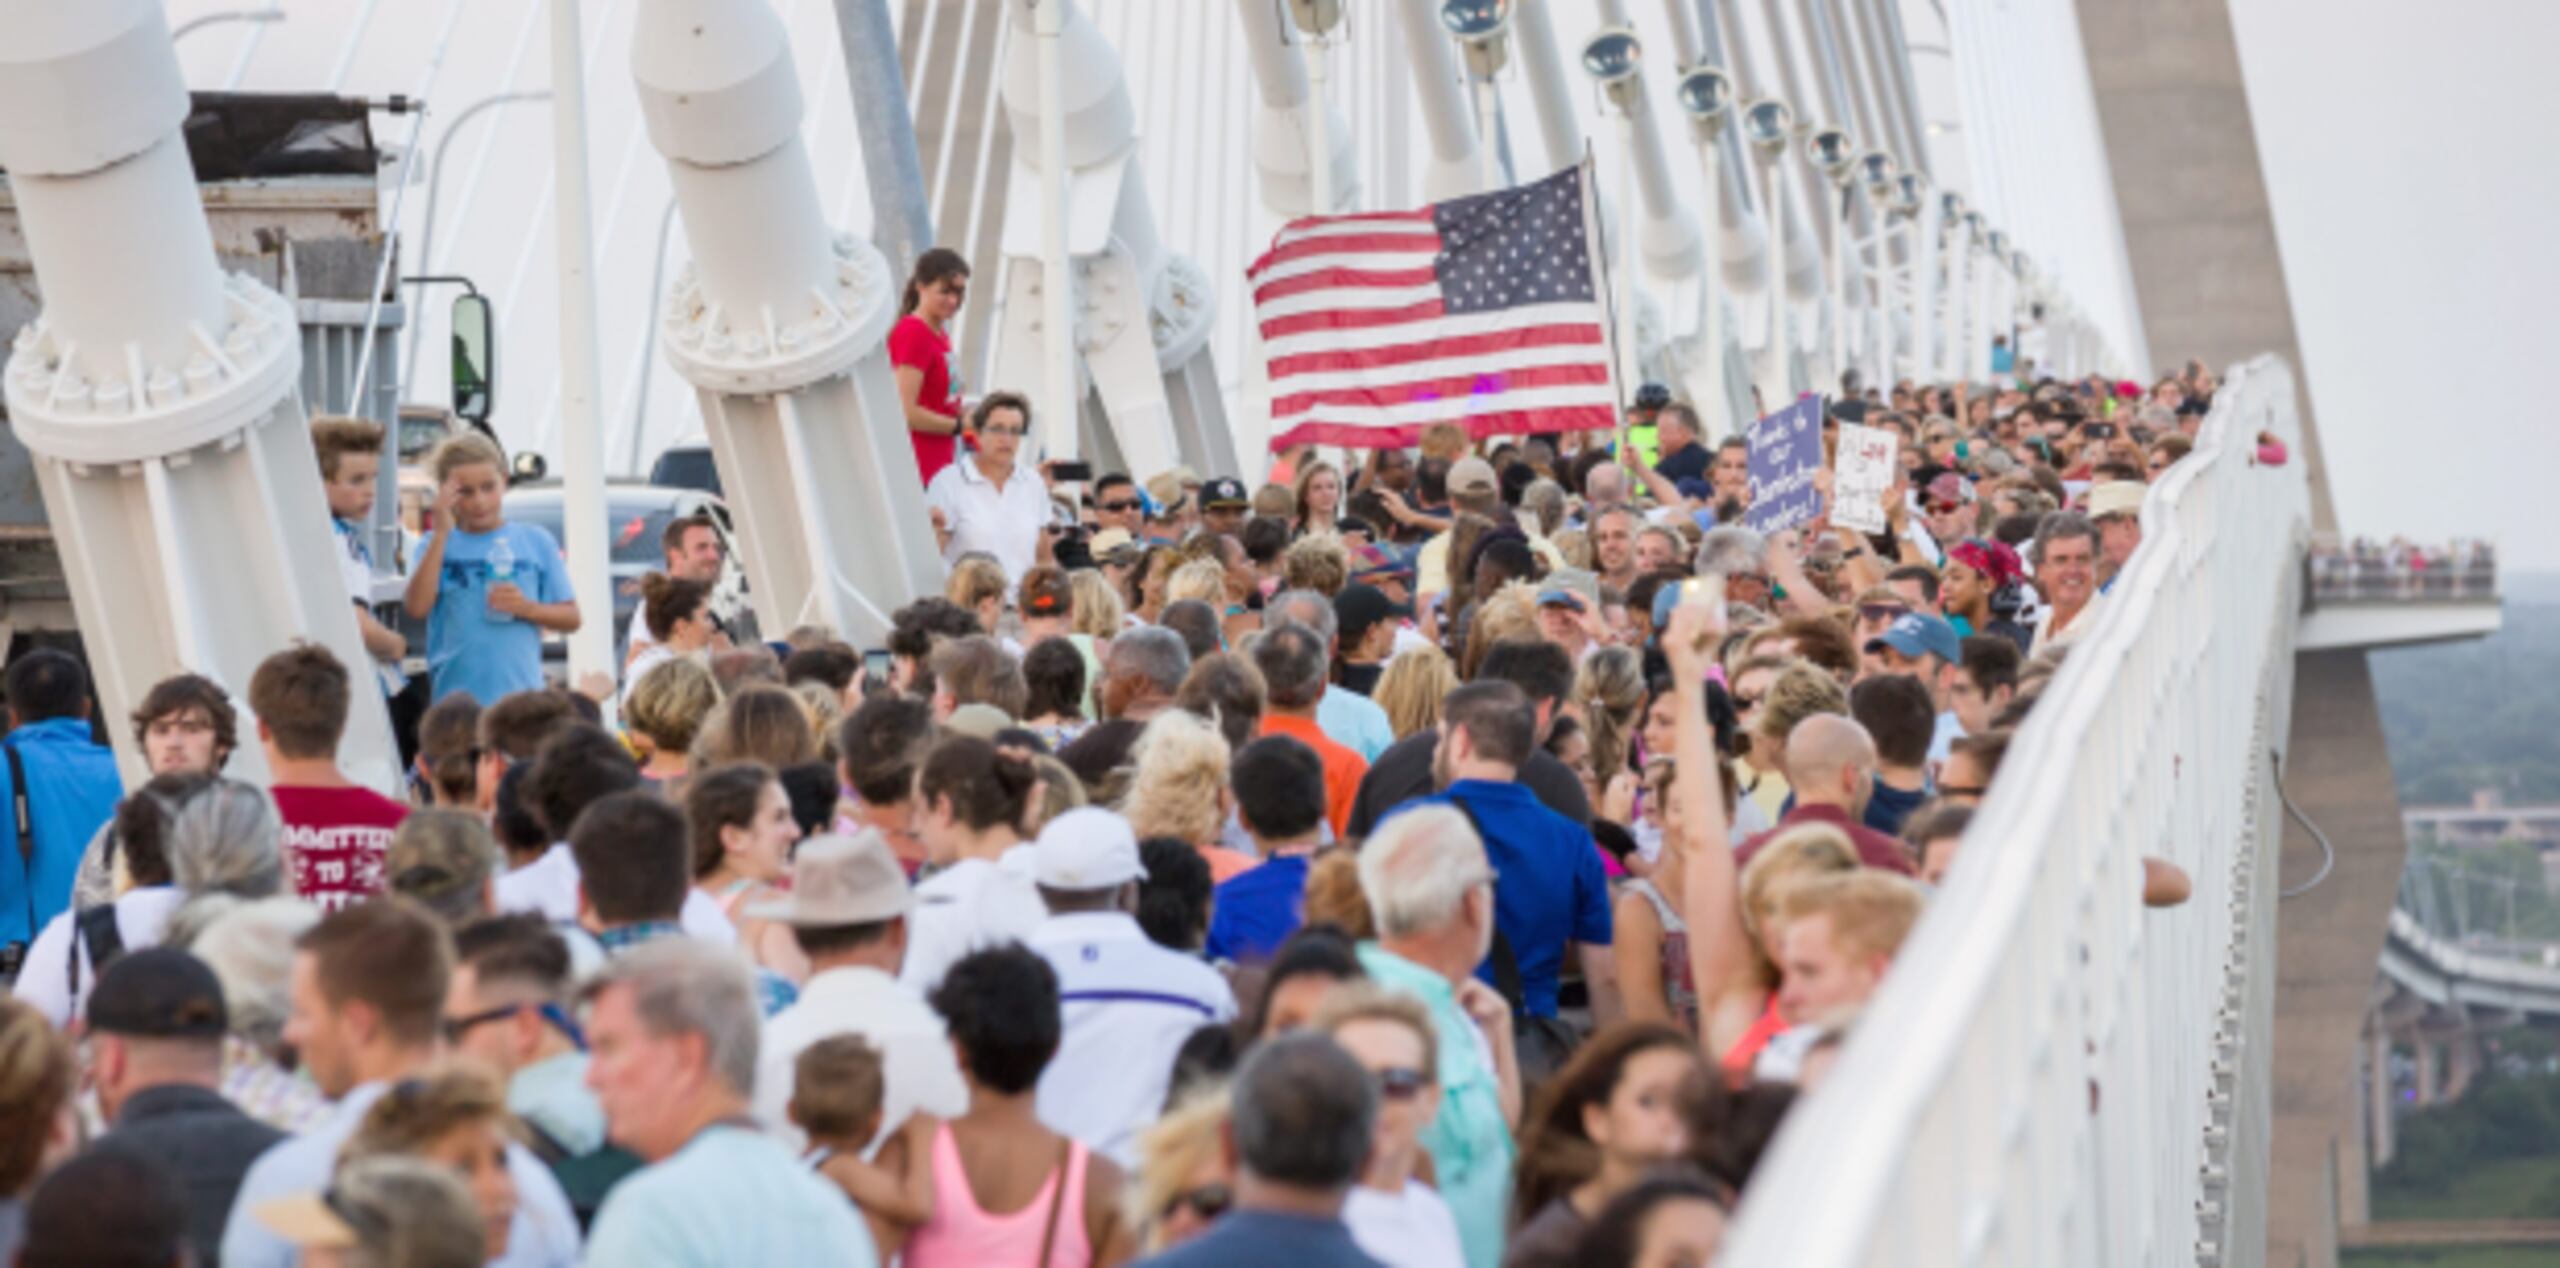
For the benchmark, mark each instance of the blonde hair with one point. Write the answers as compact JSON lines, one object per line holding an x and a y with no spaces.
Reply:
{"x":1412,"y":687}
{"x":1792,"y":855}
{"x":762,"y":723}
{"x":1367,"y":1001}
{"x":1511,"y":612}
{"x":1185,"y":1138}
{"x":1100,"y":612}
{"x":670,"y":701}
{"x":1575,"y":545}
{"x":35,"y":1085}
{"x":1181,"y":765}
{"x":1801,"y":690}
{"x":417,"y":1112}
{"x":1060,"y":791}
{"x":1871,"y":911}
{"x":468,"y":449}
{"x":1274,"y":501}
{"x":1199,"y":579}
{"x":975,"y":578}
{"x":1318,"y":562}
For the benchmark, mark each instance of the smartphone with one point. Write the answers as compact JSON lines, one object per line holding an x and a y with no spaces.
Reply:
{"x":2099,"y":431}
{"x":1706,"y":591}
{"x":875,"y":665}
{"x":1071,"y":472}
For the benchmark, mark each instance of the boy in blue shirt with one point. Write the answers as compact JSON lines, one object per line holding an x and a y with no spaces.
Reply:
{"x":1279,"y":791}
{"x":486,"y":588}
{"x":71,"y":788}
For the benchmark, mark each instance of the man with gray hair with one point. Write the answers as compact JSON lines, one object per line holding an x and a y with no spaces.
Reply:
{"x":672,"y":1039}
{"x":1140,"y":675}
{"x":1430,"y":889}
{"x":1353,"y":720}
{"x":2065,"y":556}
{"x":1292,"y":658}
{"x":1741,"y":557}
{"x":1304,"y":1110}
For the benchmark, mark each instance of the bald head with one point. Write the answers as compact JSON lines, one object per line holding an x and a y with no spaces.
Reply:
{"x":1607,"y":485}
{"x":1830,"y":759}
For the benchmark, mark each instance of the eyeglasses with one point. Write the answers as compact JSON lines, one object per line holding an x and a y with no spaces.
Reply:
{"x":1014,"y":432}
{"x":552,"y":1014}
{"x":1400,"y":1083}
{"x":1881,"y":612}
{"x":1208,"y":1202}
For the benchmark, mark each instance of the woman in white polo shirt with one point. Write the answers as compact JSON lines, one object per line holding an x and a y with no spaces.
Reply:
{"x":987,"y":501}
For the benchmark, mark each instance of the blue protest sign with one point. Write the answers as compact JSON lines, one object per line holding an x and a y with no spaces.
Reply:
{"x":1786,"y":449}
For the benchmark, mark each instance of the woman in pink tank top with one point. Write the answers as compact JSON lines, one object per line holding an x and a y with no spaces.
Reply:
{"x":1007,"y":1191}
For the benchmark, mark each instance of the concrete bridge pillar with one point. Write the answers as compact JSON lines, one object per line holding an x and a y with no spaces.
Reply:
{"x":2383,"y":1125}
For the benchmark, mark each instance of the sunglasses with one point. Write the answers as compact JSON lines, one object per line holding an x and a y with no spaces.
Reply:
{"x":1744,"y":704}
{"x":1116,"y":508}
{"x":1881,"y":612}
{"x":457,"y":1027}
{"x":1208,"y":1202}
{"x":1400,"y":1083}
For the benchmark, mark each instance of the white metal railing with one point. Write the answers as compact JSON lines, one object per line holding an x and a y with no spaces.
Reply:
{"x":2052,"y":1075}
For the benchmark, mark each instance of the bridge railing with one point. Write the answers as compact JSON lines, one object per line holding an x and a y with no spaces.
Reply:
{"x":2050,"y":1074}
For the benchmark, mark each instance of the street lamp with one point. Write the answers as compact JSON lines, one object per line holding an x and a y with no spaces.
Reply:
{"x":1767,"y":124}
{"x":1317,"y":19}
{"x":1836,"y":157}
{"x":1482,"y":29}
{"x":1706,"y":96}
{"x":1612,"y":57}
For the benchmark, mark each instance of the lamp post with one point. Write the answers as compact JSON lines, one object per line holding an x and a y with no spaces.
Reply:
{"x":1482,"y":29}
{"x":1706,"y":96}
{"x":1766,"y":124}
{"x":1876,"y":173}
{"x":1612,"y":57}
{"x":1950,"y":357}
{"x":1999,"y":314}
{"x":427,"y":227}
{"x":1837,"y":159}
{"x":1317,"y":19}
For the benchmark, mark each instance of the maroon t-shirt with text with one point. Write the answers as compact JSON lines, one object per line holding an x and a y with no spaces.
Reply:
{"x":335,"y":840}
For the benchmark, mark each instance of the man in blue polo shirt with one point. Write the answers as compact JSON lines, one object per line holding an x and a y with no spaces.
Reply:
{"x":68,"y":782}
{"x":1550,"y":888}
{"x":1279,"y":789}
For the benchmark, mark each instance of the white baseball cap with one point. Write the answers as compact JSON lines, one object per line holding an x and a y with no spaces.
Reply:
{"x":1086,"y":849}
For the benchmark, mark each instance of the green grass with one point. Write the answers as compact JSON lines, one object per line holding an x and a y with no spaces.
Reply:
{"x":2453,"y":1257}
{"x":2500,"y":1190}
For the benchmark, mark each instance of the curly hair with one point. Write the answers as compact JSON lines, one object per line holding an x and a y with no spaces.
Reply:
{"x":1611,"y":687}
{"x":1181,"y":764}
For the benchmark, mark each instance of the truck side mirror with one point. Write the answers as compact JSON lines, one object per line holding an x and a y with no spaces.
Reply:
{"x":475,"y":358}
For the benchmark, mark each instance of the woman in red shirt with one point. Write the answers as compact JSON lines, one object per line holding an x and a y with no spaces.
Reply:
{"x":920,"y":355}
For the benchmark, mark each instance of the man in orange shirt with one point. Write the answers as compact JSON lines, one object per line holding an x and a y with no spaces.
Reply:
{"x":1292,"y":660}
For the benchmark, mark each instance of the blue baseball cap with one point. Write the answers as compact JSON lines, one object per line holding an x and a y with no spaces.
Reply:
{"x":1920,"y":634}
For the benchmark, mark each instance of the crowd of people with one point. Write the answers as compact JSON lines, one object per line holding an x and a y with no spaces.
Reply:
{"x":1457,"y":855}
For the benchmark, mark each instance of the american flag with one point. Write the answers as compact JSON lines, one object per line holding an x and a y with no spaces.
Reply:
{"x":1480,"y":310}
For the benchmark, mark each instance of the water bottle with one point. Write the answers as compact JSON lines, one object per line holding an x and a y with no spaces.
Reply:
{"x":501,"y":563}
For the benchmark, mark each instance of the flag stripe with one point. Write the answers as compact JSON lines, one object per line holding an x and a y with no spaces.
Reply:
{"x":1342,"y":319}
{"x":1457,"y":408}
{"x":1502,"y":423}
{"x":1425,"y":243}
{"x":1352,"y":299}
{"x":1327,"y":278}
{"x":1444,"y":387}
{"x":1448,"y":358}
{"x":1518,"y":325}
{"x":1355,"y":222}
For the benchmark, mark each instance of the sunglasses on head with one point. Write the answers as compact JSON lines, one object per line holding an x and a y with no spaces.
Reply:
{"x":1209,"y":1201}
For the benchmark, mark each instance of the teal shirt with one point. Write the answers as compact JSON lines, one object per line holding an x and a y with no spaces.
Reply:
{"x":731,"y":1197}
{"x":1470,"y":1145}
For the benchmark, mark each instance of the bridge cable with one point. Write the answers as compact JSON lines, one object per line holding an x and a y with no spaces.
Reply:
{"x":2328,"y":852}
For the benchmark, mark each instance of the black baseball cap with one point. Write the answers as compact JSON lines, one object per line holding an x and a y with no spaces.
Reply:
{"x":1223,"y":492}
{"x":1652,"y":396}
{"x":158,"y":993}
{"x":1361,"y":606}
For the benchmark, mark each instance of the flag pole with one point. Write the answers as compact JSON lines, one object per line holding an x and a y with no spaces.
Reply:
{"x":1601,"y":286}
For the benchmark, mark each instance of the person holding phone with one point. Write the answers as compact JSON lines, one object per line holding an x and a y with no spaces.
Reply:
{"x":988,"y":501}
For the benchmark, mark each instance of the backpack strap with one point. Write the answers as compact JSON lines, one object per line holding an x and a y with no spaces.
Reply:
{"x":1505,"y":963}
{"x":100,"y":936}
{"x":25,"y":821}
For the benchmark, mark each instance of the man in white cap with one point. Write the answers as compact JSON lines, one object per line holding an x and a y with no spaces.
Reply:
{"x":1127,"y":1004}
{"x":2116,"y":508}
{"x":848,"y":910}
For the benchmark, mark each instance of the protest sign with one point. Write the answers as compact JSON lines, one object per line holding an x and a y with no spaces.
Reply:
{"x":1786,"y":450}
{"x":1862,"y":477}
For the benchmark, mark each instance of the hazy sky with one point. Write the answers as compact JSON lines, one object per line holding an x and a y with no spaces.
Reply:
{"x":2409,"y":150}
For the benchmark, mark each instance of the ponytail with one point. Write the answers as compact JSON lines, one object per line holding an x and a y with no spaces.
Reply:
{"x":936,"y":265}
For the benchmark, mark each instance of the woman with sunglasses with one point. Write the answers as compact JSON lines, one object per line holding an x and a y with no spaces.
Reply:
{"x":920,"y":357}
{"x":1394,"y":1216}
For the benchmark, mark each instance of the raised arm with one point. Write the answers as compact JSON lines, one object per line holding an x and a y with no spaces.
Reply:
{"x":1719,"y":947}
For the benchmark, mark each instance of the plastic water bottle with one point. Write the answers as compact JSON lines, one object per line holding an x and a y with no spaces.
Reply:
{"x":501,"y":563}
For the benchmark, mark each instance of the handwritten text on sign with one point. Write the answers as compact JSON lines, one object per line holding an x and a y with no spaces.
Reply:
{"x":1786,"y":449}
{"x":1863,"y":477}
